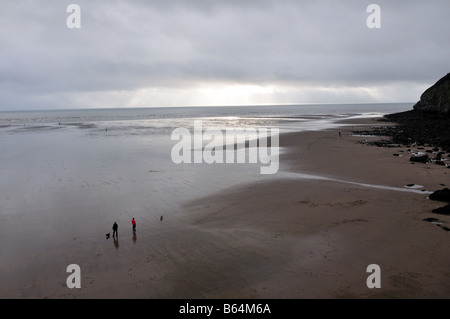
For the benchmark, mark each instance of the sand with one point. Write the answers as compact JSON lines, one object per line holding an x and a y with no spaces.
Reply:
{"x":336,"y":206}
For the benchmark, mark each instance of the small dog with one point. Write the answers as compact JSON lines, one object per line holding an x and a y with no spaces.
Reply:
{"x":108,"y":235}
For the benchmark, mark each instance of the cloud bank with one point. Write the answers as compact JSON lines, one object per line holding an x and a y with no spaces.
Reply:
{"x":206,"y":52}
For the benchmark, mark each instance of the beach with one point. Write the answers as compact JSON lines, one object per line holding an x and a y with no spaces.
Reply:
{"x":212,"y":153}
{"x":336,"y":206}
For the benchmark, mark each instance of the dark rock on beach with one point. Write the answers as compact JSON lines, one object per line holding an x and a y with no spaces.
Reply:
{"x":419,"y":159}
{"x":444,"y":228}
{"x":439,"y":155}
{"x":442,"y":195}
{"x":437,"y":222}
{"x":431,"y":220}
{"x":442,"y":210}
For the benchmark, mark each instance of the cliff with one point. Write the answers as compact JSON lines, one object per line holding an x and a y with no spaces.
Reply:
{"x":428,"y":123}
{"x":436,"y":99}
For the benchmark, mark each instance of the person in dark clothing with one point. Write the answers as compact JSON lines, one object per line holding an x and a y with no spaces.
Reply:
{"x":133,"y":222}
{"x":115,"y":228}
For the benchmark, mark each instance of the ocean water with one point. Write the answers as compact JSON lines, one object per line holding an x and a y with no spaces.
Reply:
{"x":113,"y":152}
{"x":104,"y":135}
{"x":270,"y":113}
{"x":159,"y":123}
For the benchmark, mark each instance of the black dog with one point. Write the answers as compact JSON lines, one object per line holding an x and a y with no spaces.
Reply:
{"x":108,"y":235}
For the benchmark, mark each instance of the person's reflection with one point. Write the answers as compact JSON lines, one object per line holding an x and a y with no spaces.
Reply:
{"x":134,"y":237}
{"x":116,"y":242}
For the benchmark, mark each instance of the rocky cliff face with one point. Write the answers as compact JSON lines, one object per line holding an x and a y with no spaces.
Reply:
{"x":436,"y":99}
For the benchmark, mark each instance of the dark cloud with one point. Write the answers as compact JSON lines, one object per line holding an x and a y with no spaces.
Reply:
{"x":138,"y":53}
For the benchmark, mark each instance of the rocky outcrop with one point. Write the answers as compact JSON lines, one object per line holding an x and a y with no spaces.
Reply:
{"x":436,"y":99}
{"x":421,"y":128}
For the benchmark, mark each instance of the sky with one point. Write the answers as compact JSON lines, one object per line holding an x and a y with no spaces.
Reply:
{"x":140,"y":53}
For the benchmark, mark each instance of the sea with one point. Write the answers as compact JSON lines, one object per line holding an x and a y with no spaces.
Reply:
{"x":151,"y":120}
{"x":112,"y":154}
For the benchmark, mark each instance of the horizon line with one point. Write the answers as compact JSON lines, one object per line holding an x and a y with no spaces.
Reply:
{"x":196,"y":106}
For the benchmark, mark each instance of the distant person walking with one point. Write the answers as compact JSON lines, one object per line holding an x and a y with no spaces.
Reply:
{"x":115,"y":228}
{"x":133,"y":222}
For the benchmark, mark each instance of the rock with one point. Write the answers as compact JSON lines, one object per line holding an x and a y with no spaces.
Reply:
{"x":431,"y":220}
{"x":439,"y":163}
{"x":442,"y":210}
{"x":442,"y":195}
{"x":444,"y":228}
{"x":419,"y":159}
{"x":436,"y":99}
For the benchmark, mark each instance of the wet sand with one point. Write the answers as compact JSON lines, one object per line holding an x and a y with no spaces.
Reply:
{"x":286,"y":237}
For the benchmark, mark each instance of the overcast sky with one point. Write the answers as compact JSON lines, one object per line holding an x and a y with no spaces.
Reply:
{"x":204,"y":52}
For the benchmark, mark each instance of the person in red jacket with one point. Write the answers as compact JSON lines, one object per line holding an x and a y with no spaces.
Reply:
{"x":133,"y":222}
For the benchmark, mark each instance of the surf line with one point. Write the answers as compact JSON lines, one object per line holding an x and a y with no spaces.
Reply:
{"x":317,"y":177}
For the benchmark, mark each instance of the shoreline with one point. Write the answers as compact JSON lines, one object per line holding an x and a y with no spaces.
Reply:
{"x":287,"y":237}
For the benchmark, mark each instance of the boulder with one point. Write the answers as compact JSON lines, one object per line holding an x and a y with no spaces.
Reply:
{"x":444,"y":228}
{"x":419,"y":158}
{"x":431,"y":220}
{"x":439,"y":155}
{"x":442,"y":195}
{"x":442,"y":210}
